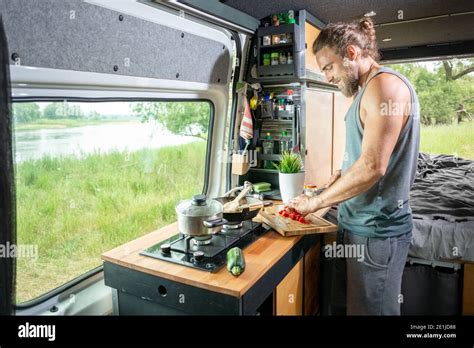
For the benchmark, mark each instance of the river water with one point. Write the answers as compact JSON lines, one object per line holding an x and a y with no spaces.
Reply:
{"x":80,"y":141}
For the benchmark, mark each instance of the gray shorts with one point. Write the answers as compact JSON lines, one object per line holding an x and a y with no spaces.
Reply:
{"x":374,"y":283}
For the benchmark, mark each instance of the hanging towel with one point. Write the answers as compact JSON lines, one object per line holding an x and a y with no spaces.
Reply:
{"x":246,"y":126}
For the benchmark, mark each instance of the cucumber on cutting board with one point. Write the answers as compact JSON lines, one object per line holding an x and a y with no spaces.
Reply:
{"x":235,"y":261}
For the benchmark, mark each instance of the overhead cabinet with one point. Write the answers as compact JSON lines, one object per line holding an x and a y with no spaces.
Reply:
{"x":285,"y":50}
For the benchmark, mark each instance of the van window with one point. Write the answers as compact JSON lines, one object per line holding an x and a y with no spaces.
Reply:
{"x":93,"y":175}
{"x":446,"y":93}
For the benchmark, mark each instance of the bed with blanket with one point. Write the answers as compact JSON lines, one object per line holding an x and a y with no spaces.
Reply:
{"x":442,"y":202}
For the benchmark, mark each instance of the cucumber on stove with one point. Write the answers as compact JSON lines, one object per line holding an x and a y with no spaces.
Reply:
{"x":235,"y":261}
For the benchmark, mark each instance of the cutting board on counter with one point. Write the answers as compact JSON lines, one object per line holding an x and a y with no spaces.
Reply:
{"x":289,"y":227}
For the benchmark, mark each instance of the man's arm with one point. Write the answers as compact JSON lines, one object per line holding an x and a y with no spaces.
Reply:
{"x":381,"y":133}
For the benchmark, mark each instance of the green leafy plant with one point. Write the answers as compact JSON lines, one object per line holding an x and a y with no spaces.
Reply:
{"x":290,"y":162}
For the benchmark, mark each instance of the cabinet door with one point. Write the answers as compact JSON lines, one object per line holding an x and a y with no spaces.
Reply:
{"x":289,"y":293}
{"x":318,"y":136}
{"x":310,"y":34}
{"x":341,"y":105}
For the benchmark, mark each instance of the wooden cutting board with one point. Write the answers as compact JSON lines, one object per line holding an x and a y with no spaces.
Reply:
{"x":289,"y":227}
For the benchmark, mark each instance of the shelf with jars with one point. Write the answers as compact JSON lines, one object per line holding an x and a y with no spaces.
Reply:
{"x":283,"y":47}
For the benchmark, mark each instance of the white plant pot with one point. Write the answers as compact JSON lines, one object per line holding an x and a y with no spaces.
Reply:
{"x":291,"y":185}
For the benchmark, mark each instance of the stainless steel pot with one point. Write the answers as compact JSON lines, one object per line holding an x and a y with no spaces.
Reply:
{"x":200,"y":216}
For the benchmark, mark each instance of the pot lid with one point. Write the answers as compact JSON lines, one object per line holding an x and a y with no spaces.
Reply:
{"x":200,"y":205}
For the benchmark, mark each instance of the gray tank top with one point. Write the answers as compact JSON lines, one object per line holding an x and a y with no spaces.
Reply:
{"x":384,"y":210}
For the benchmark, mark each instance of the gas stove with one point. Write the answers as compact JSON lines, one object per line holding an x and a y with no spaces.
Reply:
{"x":208,"y":253}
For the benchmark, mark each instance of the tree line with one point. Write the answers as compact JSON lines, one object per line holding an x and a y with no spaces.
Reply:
{"x":24,"y":112}
{"x":446,"y":94}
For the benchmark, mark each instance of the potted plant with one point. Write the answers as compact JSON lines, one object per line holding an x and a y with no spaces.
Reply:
{"x":291,"y":176}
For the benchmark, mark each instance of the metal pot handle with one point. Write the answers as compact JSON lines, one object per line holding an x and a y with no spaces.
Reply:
{"x":214,"y":222}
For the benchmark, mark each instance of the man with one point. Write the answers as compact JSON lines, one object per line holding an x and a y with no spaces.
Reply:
{"x":379,"y":166}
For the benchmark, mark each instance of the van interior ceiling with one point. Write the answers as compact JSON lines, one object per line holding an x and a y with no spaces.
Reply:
{"x":152,"y":149}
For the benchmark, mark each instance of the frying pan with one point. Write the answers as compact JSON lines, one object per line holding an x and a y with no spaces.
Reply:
{"x":246,"y":213}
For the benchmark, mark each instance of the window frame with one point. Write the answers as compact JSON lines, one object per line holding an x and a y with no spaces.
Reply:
{"x":92,"y":272}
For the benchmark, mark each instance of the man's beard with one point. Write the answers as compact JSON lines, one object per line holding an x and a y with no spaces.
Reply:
{"x":349,"y":82}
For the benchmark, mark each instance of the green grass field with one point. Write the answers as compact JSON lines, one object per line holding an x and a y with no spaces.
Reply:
{"x":75,"y":209}
{"x":449,"y":139}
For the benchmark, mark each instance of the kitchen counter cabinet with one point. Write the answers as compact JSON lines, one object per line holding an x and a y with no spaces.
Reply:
{"x":289,"y":293}
{"x":147,"y":286}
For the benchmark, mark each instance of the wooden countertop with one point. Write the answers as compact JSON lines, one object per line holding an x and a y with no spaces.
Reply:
{"x":260,"y":256}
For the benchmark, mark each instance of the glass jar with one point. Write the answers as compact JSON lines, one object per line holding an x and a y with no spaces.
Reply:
{"x":289,"y":38}
{"x":267,"y":40}
{"x":275,"y":58}
{"x":275,"y":20}
{"x":289,"y":59}
{"x":282,"y":58}
{"x":275,"y":39}
{"x":310,"y":190}
{"x":267,"y":60}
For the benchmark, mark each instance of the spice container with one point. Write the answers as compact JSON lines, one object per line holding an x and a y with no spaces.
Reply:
{"x":310,"y":190}
{"x":276,"y":39}
{"x":267,"y":40}
{"x":291,"y":17}
{"x":275,"y":58}
{"x":275,"y":20}
{"x":283,"y":38}
{"x":282,"y":58}
{"x":267,"y":59}
{"x":289,"y":38}
{"x":289,"y":58}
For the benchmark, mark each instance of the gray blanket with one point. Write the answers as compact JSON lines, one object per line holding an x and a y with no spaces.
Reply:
{"x":442,"y":201}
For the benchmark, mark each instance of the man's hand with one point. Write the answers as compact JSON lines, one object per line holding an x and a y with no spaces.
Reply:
{"x":304,"y":205}
{"x":333,"y":178}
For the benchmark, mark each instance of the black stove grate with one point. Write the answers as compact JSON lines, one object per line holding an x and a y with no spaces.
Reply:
{"x":182,"y":248}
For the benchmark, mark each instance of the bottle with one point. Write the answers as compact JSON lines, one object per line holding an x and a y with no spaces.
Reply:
{"x":289,"y":59}
{"x":268,"y":150}
{"x":282,"y":59}
{"x":258,"y":151}
{"x":284,"y":144}
{"x":290,"y":106}
{"x":281,"y":104}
